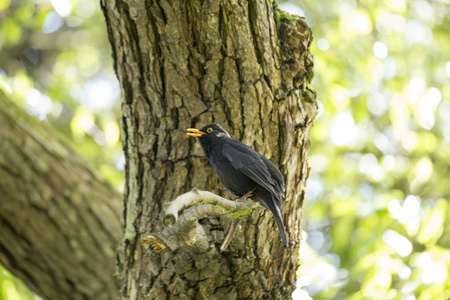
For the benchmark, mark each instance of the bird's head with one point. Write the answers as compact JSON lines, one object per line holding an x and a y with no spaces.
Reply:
{"x":210,"y":132}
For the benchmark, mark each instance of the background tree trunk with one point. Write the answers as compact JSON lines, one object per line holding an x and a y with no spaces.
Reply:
{"x":186,"y":64}
{"x":59,"y":222}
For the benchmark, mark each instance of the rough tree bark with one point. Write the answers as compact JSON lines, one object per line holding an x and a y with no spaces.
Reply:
{"x":59,"y":221}
{"x":240,"y":63}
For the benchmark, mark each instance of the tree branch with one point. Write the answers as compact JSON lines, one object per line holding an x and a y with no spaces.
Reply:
{"x":184,"y":230}
{"x":59,"y":220}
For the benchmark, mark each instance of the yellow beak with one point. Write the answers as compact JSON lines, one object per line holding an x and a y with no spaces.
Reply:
{"x":195,"y":132}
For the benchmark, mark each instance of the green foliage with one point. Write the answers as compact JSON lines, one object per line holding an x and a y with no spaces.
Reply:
{"x":377,"y":200}
{"x":12,"y":289}
{"x":55,"y":61}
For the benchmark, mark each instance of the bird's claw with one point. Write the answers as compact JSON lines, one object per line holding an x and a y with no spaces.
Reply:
{"x":247,"y":195}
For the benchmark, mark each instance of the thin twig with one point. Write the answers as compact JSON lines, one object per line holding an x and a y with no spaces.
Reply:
{"x":227,"y":240}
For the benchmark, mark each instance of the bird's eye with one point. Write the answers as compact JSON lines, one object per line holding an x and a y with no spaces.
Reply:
{"x":209,"y":130}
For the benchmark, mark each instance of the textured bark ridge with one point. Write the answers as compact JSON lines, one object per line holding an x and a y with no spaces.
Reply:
{"x":59,"y":222}
{"x":244,"y":65}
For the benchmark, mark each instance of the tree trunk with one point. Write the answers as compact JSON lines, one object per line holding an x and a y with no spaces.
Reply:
{"x":59,"y":222}
{"x":183,"y":64}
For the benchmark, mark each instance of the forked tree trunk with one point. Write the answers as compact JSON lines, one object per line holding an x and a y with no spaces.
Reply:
{"x":188,"y":63}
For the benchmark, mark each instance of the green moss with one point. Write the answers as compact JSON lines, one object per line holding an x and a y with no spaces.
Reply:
{"x":284,"y":17}
{"x":236,"y":214}
{"x":241,"y":213}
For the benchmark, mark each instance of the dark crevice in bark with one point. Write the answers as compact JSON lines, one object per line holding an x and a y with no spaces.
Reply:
{"x":224,"y":55}
{"x":163,"y":15}
{"x":7,"y":225}
{"x":252,"y":17}
{"x":140,"y":56}
{"x":10,"y":172}
{"x":125,"y":84}
{"x":241,"y":101}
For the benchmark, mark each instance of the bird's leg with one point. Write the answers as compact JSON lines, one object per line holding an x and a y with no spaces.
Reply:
{"x":247,"y":195}
{"x":227,"y":240}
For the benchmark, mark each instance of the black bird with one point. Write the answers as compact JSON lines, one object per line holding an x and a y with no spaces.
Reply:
{"x":242,"y":170}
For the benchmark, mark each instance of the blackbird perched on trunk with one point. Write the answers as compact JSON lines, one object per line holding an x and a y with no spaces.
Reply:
{"x":242,"y":170}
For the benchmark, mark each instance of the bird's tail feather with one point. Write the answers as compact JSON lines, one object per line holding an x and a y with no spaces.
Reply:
{"x":279,"y":221}
{"x":271,"y":205}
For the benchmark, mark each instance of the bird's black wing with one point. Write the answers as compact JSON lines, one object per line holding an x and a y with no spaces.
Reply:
{"x":276,"y":175}
{"x":249,"y":162}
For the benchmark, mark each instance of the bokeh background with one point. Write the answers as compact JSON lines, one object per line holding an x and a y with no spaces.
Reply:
{"x":376,"y":222}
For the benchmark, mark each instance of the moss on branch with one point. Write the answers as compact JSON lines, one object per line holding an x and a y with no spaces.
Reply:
{"x":183,"y":213}
{"x":282,"y":16}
